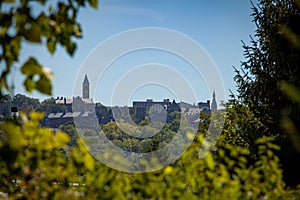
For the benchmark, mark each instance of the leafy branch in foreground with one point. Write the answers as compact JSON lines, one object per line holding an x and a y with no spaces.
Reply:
{"x":36,"y":163}
{"x":43,"y":22}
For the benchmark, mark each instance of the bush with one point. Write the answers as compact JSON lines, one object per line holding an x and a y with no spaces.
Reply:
{"x":37,"y":164}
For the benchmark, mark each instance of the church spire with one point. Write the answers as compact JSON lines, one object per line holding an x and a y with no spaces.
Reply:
{"x":86,"y":80}
{"x":86,"y":88}
{"x":214,"y":102}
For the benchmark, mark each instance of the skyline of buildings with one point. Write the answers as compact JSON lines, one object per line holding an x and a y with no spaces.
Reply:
{"x":208,"y":105}
{"x":82,"y":107}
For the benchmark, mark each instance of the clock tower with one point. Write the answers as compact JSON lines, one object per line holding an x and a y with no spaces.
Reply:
{"x":214,"y":102}
{"x":85,"y":88}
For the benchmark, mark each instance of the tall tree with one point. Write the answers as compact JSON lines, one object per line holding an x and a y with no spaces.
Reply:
{"x":273,"y":59}
{"x":25,"y":103}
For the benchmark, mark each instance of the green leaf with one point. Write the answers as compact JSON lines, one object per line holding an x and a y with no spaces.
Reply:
{"x":43,"y":21}
{"x":62,"y":139}
{"x":89,"y":161}
{"x":29,"y":84}
{"x":5,"y":21}
{"x":15,"y":46}
{"x":36,"y":116}
{"x":31,"y":67}
{"x":43,"y":85}
{"x":33,"y":34}
{"x":14,"y":135}
{"x":51,"y":44}
{"x":94,"y":3}
{"x":210,"y":162}
{"x":71,"y":48}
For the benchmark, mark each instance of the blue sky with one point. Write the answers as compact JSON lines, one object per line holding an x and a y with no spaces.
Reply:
{"x":218,"y":26}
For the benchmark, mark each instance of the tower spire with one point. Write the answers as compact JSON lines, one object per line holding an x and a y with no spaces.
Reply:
{"x":86,"y":80}
{"x":86,"y":88}
{"x":214,"y":102}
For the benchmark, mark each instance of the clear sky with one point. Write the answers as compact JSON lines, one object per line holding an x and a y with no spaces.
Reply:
{"x":218,"y":26}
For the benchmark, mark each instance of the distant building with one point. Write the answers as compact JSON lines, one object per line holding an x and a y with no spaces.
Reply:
{"x":77,"y":102}
{"x":214,"y":102}
{"x":204,"y":106}
{"x":141,"y":107}
{"x":80,"y":107}
{"x":192,"y":111}
{"x":53,"y":120}
{"x":86,"y":88}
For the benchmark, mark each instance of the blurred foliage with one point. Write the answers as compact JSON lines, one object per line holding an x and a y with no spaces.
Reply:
{"x":50,"y":23}
{"x":36,"y":163}
{"x":287,"y":123}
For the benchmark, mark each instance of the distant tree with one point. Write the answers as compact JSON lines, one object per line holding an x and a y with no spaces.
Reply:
{"x":70,"y":129}
{"x":25,"y":103}
{"x":5,"y":104}
{"x":173,"y":116}
{"x":273,"y":58}
{"x":174,"y":107}
{"x":103,"y":113}
{"x":49,"y":106}
{"x":144,"y":122}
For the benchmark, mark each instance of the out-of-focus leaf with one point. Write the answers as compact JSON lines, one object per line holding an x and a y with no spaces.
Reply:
{"x":33,"y":34}
{"x":9,"y":1}
{"x":290,"y":128}
{"x":29,"y":84}
{"x":42,"y":1}
{"x":291,"y":91}
{"x":94,"y":3}
{"x":291,"y":36}
{"x":62,"y":139}
{"x":36,"y":116}
{"x":89,"y":161}
{"x":51,"y":44}
{"x":210,"y":162}
{"x":31,"y":67}
{"x":14,"y":135}
{"x":43,"y":85}
{"x":5,"y":20}
{"x":168,"y":170}
{"x":71,"y":48}
{"x":15,"y":46}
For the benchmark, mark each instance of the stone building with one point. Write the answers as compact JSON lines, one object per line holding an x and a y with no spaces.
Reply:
{"x":80,"y":107}
{"x":141,"y":107}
